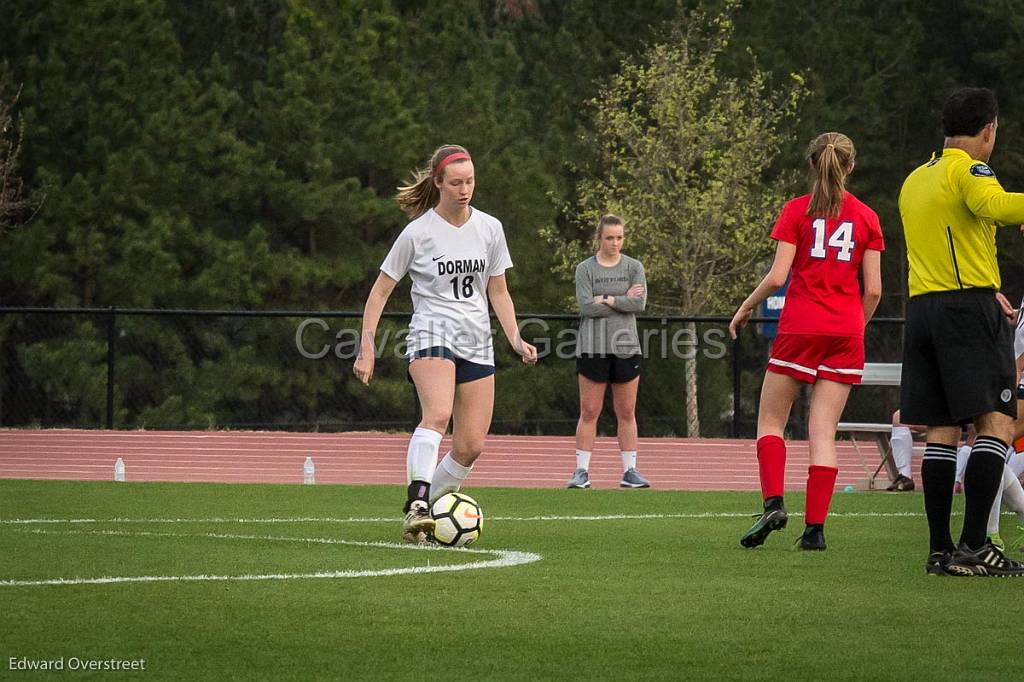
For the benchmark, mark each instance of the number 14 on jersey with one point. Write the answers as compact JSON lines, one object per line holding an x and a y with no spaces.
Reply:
{"x":840,"y":239}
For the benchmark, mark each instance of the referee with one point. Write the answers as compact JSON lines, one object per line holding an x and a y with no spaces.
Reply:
{"x":958,"y":364}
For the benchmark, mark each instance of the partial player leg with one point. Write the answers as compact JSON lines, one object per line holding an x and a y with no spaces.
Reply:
{"x":983,"y":475}
{"x":624,"y":403}
{"x":938,"y":471}
{"x":435,"y":386}
{"x":591,"y":403}
{"x":828,"y":398}
{"x":778,"y":392}
{"x":902,"y":443}
{"x":1013,"y":498}
{"x":963,"y":453}
{"x":1016,"y":464}
{"x":471,"y":420}
{"x":992,"y":528}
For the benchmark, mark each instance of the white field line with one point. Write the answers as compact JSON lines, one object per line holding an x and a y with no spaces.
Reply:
{"x":389,"y":519}
{"x":503,"y":559}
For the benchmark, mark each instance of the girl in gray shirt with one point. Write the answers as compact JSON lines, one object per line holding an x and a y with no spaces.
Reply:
{"x":610,"y":289}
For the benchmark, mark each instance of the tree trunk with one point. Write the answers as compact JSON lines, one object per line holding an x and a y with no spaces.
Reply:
{"x":692,"y":417}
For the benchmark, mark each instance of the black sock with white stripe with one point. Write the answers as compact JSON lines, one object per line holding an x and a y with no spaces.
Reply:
{"x":982,"y":478}
{"x":418,"y":491}
{"x":938,"y":471}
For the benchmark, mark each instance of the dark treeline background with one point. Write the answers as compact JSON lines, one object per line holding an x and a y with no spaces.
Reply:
{"x":244,"y":154}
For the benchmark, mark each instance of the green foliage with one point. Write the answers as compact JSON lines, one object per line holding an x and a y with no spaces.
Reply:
{"x":70,"y":370}
{"x":685,"y":159}
{"x":14,"y":204}
{"x":243,"y":154}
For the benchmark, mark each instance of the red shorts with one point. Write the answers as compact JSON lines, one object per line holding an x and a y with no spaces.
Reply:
{"x":809,"y":357}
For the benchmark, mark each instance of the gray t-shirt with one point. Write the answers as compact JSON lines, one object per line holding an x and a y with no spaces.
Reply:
{"x":605,"y":330}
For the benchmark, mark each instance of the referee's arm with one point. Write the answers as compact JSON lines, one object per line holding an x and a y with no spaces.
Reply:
{"x":986,"y":198}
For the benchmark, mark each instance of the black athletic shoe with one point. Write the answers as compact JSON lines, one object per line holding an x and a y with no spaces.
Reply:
{"x":938,"y":564}
{"x":902,"y":484}
{"x":813,"y":539}
{"x":771,"y":519}
{"x":987,"y":561}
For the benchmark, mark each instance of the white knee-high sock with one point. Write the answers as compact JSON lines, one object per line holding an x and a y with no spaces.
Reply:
{"x":961,"y":462}
{"x":997,"y":509}
{"x":628,"y":460}
{"x":448,"y":477}
{"x":1013,"y":493}
{"x":1016,"y":464}
{"x":421,"y":457}
{"x":902,"y":441}
{"x":583,"y":459}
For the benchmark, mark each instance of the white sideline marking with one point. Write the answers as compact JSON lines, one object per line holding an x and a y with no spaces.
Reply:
{"x":388,"y":519}
{"x":504,"y":558}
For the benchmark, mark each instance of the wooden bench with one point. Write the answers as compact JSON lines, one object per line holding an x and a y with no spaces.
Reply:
{"x":875,"y":374}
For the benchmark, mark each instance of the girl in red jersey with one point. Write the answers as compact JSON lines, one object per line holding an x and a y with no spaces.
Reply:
{"x":825,"y":239}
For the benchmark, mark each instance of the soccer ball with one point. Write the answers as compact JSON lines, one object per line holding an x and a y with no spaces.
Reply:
{"x":458,"y":520}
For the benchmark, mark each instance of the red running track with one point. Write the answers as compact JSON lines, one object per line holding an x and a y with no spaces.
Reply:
{"x":377,"y":458}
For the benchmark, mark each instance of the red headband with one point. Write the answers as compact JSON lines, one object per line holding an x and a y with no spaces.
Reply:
{"x":457,"y":156}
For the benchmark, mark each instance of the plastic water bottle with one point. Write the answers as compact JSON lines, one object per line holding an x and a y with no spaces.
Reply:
{"x":119,"y":470}
{"x":308,"y":472}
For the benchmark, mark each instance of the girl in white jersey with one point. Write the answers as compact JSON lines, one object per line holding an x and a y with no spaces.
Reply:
{"x":456,"y":256}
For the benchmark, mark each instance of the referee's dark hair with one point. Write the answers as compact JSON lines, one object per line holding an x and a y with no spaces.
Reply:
{"x":967,"y":111}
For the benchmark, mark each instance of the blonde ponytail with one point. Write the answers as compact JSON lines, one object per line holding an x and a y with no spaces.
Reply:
{"x":421,"y":194}
{"x":830,"y":155}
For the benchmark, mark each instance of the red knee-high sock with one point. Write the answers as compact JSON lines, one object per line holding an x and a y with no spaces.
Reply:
{"x":821,"y":481}
{"x":771,"y":465}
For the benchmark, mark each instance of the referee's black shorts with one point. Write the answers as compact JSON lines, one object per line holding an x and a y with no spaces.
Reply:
{"x":957,"y":359}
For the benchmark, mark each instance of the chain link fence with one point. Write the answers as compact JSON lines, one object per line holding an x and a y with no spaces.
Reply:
{"x":291,"y":370}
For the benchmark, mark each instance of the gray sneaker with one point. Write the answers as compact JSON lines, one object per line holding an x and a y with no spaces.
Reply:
{"x":580,"y":479}
{"x":633,"y":479}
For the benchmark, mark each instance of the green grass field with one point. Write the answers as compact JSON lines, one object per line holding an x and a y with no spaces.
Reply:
{"x":672,"y":595}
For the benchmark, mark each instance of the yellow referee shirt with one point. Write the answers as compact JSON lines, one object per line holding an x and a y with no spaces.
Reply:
{"x":950,"y":207}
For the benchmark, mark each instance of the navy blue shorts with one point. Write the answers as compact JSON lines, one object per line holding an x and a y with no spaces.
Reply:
{"x":465,"y":371}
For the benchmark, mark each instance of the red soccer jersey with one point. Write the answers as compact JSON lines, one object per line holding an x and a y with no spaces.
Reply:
{"x":824,"y":294}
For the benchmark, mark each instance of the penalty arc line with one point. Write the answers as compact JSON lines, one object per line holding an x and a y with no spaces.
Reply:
{"x":504,"y":559}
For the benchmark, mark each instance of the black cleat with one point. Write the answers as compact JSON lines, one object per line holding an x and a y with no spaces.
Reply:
{"x":417,"y":522}
{"x":813,"y":539}
{"x":987,"y":561}
{"x":938,"y":564}
{"x":772,"y":519}
{"x":902,"y":484}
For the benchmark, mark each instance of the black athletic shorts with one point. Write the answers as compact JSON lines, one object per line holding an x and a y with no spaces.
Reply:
{"x":465,"y":371}
{"x":957,"y":359}
{"x":609,"y":368}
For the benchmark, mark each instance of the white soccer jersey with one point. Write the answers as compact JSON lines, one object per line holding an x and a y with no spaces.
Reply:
{"x":450,"y":267}
{"x":1018,"y":338}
